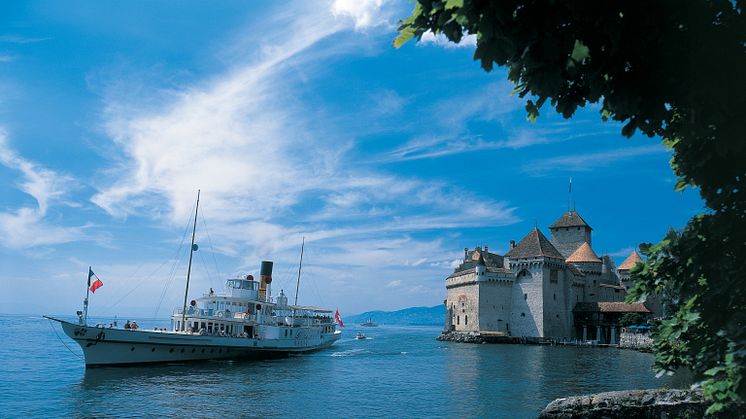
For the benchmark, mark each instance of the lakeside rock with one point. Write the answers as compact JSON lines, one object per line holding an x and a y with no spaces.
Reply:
{"x":460,"y":337}
{"x":637,"y":404}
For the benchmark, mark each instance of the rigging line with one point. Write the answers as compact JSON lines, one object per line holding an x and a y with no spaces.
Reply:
{"x":142,"y":281}
{"x":209,"y":240}
{"x":169,"y":281}
{"x":172,"y":273}
{"x":207,"y":270}
{"x":63,"y":342}
{"x":167,"y":285}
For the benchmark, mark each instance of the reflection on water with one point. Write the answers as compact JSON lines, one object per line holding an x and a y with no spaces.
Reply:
{"x":399,"y":372}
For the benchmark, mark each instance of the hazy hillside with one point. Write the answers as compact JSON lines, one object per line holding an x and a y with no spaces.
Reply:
{"x":413,"y":316}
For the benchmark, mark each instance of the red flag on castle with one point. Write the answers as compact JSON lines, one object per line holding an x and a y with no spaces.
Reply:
{"x":338,"y":318}
{"x":96,"y":284}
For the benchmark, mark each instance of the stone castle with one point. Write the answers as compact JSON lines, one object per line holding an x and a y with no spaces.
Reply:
{"x":555,"y":287}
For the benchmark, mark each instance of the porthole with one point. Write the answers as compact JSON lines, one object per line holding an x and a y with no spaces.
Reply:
{"x":152,"y":350}
{"x":132,"y":348}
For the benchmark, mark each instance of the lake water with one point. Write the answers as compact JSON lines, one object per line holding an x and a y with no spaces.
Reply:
{"x":398,"y":372}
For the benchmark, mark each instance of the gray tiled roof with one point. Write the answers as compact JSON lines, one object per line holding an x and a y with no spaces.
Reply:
{"x":535,"y":244}
{"x":570,"y":219}
{"x":490,"y":260}
{"x":471,"y":270}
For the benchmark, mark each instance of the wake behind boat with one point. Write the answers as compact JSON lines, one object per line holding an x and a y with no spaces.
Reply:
{"x":243,"y":322}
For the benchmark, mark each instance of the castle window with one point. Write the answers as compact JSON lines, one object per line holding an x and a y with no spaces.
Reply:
{"x":525,"y":296}
{"x":558,"y":316}
{"x":523,"y":314}
{"x":458,"y":320}
{"x":553,"y":275}
{"x":466,"y":320}
{"x":555,"y":297}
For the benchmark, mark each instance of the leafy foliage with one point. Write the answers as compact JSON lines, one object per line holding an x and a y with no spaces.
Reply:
{"x":669,"y":68}
{"x":633,"y":319}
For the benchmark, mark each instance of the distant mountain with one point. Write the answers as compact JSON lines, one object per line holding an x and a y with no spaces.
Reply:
{"x":413,"y":316}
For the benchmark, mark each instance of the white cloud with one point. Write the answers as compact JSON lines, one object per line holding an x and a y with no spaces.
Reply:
{"x":28,"y":227}
{"x":18,"y":39}
{"x":440,"y":40}
{"x":393,"y":284}
{"x":589,"y":161}
{"x":364,"y":13}
{"x":270,"y":172}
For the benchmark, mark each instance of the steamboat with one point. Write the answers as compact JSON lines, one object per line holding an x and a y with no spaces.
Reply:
{"x":244,"y":321}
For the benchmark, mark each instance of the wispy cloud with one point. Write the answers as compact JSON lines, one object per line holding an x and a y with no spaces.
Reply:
{"x":270,"y":173}
{"x":18,"y":39}
{"x":589,"y":161}
{"x":428,"y":148}
{"x":27,"y":226}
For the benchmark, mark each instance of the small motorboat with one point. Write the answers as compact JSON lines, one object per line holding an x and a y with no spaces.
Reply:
{"x":360,"y":336}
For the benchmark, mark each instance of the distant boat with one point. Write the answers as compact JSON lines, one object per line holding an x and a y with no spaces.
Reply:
{"x":369,"y":323}
{"x":360,"y":336}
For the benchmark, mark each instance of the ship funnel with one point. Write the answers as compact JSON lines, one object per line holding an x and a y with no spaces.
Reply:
{"x":265,"y":278}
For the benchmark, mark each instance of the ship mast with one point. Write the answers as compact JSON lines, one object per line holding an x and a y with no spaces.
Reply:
{"x":300,"y":265}
{"x":189,"y":269}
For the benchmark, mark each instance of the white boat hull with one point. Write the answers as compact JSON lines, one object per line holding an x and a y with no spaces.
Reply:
{"x":108,"y":347}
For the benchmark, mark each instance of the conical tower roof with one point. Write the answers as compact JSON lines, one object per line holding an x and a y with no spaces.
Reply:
{"x":584,"y":254}
{"x":570,"y":219}
{"x":535,"y":244}
{"x":630,"y":262}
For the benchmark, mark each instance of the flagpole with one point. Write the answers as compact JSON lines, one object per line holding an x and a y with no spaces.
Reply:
{"x":189,"y":269}
{"x":85,"y":302}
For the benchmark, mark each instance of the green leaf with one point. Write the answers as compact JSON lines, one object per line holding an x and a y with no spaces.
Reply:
{"x":405,"y":35}
{"x":454,"y":4}
{"x":580,"y":51}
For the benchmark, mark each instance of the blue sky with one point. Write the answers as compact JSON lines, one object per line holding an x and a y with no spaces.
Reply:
{"x":295,"y":120}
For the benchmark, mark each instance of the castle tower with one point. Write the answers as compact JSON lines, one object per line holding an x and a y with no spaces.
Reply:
{"x":539,"y":302}
{"x":626,"y":267}
{"x":586,"y":260}
{"x":569,"y":232}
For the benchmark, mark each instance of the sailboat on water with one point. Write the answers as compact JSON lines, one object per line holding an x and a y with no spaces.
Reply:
{"x":245,"y":321}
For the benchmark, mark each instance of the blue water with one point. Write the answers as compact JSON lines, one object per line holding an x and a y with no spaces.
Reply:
{"x":398,"y":372}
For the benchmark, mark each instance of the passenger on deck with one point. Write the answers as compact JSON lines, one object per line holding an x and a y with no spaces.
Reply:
{"x":127,"y":325}
{"x":134,"y":325}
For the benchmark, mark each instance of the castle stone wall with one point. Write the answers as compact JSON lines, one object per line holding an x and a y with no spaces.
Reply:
{"x":495,"y":304}
{"x":463,"y":300}
{"x":557,"y":306}
{"x":527,"y":316}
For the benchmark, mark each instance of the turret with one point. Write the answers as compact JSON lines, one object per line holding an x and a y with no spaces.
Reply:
{"x":569,"y":232}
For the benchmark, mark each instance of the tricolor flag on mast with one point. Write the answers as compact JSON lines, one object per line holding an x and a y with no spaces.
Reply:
{"x":98,"y":283}
{"x":338,"y":318}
